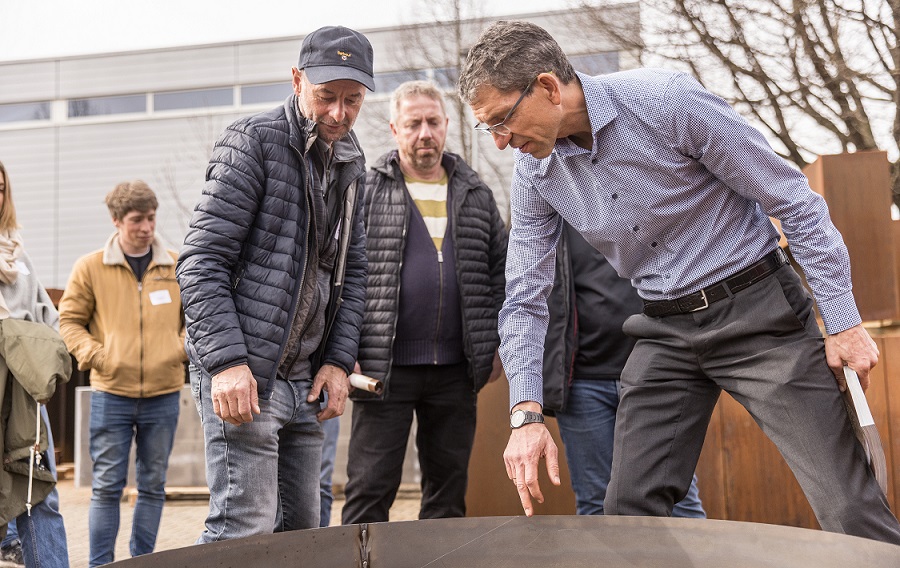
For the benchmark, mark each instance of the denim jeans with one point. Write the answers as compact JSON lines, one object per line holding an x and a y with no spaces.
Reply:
{"x":43,"y":534}
{"x":254,"y":468}
{"x":587,"y":429}
{"x":115,"y":421}
{"x":332,"y":429}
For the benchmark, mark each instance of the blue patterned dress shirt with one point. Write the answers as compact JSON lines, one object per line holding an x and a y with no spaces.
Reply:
{"x":676,"y":193}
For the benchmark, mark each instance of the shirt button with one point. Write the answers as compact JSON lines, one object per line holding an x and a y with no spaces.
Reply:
{"x":635,"y":228}
{"x":615,"y":195}
{"x":668,"y":276}
{"x":595,"y":160}
{"x":653,"y":244}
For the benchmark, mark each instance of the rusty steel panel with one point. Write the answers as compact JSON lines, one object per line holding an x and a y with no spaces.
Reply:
{"x":517,"y":542}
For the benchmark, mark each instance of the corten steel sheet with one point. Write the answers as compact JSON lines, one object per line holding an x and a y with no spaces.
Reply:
{"x":517,"y":542}
{"x":857,"y":189}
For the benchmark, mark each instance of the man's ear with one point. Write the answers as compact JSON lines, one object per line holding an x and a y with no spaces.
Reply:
{"x":549,"y":84}
{"x":296,"y":80}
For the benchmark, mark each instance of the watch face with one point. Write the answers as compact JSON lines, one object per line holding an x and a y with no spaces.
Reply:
{"x":517,"y":418}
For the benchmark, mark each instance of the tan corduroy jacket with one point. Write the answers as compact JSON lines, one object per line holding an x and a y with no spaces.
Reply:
{"x":130,"y":334}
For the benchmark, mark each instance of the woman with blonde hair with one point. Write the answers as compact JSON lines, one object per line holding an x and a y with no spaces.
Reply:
{"x":41,"y":536}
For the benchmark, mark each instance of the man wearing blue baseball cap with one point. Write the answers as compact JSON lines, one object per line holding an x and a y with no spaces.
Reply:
{"x":273,"y":282}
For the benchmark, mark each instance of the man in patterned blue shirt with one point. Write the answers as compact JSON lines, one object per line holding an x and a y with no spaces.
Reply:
{"x":675,"y":189}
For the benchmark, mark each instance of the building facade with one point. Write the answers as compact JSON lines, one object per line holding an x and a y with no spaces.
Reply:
{"x":71,"y":128}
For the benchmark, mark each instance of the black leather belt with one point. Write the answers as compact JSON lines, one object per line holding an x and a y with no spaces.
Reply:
{"x":702,"y":299}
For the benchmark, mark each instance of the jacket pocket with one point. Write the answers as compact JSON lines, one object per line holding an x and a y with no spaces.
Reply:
{"x":236,"y":279}
{"x":196,"y":377}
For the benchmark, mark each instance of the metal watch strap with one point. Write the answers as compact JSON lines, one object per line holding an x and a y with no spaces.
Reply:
{"x":530,"y":418}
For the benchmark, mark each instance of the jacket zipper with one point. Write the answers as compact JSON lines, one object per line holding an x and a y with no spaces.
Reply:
{"x":455,"y":204}
{"x":399,"y":283}
{"x":140,"y":287}
{"x":237,"y":278}
{"x":437,"y":325}
{"x":299,"y":290}
{"x":313,"y":306}
{"x":141,"y":328}
{"x":348,"y":216}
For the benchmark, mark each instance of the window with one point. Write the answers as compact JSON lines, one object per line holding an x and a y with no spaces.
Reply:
{"x":268,"y":93}
{"x":107,"y":105}
{"x":596,"y":63}
{"x":387,"y":82}
{"x":446,"y":78}
{"x":193,"y":99}
{"x":24,"y":111}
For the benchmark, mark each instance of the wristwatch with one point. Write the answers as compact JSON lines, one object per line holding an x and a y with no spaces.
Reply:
{"x":521,"y":417}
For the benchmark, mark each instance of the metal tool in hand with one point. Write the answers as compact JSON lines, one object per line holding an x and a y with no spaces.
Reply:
{"x":864,"y":426}
{"x":366,"y":383}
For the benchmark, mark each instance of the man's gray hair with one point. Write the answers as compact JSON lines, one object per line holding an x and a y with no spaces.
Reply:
{"x":508,"y":56}
{"x":413,"y":88}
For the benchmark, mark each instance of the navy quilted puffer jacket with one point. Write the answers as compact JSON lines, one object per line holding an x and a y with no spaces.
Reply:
{"x":244,"y":255}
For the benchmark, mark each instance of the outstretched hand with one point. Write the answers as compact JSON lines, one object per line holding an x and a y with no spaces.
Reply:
{"x":527,"y":445}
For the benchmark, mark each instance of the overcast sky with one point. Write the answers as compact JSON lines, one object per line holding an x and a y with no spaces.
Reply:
{"x":35,"y":29}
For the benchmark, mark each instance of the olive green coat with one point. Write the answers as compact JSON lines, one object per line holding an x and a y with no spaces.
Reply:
{"x":33,"y":359}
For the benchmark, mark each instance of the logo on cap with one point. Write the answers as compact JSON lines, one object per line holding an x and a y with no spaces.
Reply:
{"x":320,"y":52}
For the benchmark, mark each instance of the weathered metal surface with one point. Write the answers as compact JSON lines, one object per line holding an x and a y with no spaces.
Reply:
{"x":519,"y":542}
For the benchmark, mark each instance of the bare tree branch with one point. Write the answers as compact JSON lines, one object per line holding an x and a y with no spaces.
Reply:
{"x":818,"y":76}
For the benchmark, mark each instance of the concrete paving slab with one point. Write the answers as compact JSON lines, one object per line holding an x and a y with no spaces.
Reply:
{"x":182,"y":520}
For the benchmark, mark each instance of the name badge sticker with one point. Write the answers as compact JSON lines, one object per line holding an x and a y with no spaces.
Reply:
{"x":22,"y":268}
{"x":159,"y":297}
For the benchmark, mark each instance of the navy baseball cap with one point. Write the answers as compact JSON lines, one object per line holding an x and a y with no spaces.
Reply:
{"x":335,"y":52}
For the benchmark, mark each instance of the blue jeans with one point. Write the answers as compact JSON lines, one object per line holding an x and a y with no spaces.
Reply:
{"x":332,"y":429}
{"x":43,"y":534}
{"x":587,"y":428}
{"x":115,"y":420}
{"x":253,"y":468}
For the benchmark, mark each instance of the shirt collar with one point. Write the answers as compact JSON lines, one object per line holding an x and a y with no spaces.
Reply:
{"x":600,"y":111}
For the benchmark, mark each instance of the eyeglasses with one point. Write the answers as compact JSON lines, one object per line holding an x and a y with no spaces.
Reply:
{"x":500,"y":129}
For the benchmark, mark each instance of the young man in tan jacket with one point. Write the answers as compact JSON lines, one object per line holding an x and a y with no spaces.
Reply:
{"x":121,"y":317}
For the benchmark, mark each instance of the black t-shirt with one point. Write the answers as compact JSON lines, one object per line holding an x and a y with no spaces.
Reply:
{"x":139,"y":264}
{"x":604,"y":301}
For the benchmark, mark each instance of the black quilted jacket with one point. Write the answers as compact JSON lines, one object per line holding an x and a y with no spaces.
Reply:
{"x":479,"y":241}
{"x":244,"y":255}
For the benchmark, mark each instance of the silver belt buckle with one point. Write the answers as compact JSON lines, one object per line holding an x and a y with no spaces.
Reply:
{"x":705,"y":302}
{"x":782,"y":256}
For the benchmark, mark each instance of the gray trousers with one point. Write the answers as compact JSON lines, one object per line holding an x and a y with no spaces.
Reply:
{"x":762,"y":346}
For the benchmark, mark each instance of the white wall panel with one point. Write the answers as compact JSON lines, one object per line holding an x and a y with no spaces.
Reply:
{"x":147,"y":71}
{"x":170,"y":155}
{"x":179,"y":172}
{"x":267,"y":62}
{"x":29,"y":158}
{"x":25,"y":82}
{"x":61,"y":173}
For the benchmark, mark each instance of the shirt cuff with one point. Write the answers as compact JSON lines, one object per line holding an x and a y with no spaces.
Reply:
{"x":840,"y":313}
{"x":525,"y":388}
